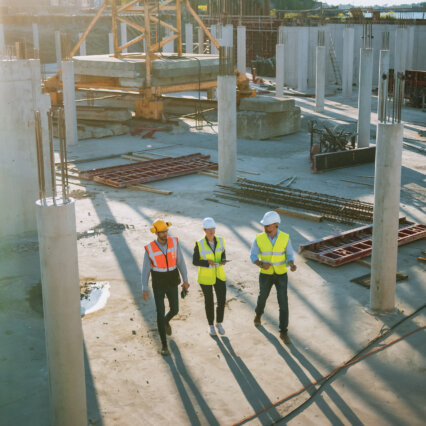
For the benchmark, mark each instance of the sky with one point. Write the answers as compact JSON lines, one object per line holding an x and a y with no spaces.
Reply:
{"x":365,"y":3}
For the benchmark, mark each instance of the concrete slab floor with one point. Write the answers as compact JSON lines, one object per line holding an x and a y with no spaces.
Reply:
{"x":223,"y":380}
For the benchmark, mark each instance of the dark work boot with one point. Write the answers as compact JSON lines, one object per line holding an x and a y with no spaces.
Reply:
{"x":257,"y":321}
{"x":284,"y":337}
{"x":168,"y":328}
{"x":165,"y":350}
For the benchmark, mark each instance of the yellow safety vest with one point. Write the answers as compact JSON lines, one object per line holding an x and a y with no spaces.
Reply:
{"x":274,"y":255}
{"x":207,"y":274}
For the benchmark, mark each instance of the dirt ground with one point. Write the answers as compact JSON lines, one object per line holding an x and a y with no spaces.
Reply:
{"x":248,"y":372}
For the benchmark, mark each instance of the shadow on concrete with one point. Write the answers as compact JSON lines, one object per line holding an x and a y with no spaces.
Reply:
{"x":305,"y":380}
{"x":187,"y":389}
{"x":248,"y":384}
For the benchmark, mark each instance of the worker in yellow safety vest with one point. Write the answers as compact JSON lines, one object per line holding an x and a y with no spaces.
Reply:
{"x":164,"y":260}
{"x":209,"y":255}
{"x":271,"y":251}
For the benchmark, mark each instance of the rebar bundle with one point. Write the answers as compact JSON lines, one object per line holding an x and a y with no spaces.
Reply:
{"x":333,"y":208}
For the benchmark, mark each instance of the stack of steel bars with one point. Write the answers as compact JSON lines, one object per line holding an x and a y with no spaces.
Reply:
{"x":337,"y":209}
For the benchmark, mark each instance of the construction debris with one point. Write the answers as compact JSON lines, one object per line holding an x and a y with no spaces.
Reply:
{"x":348,"y":246}
{"x":337,"y":209}
{"x":148,"y":171}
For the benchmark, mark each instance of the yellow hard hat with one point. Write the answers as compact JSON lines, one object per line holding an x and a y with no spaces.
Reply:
{"x":159,"y":226}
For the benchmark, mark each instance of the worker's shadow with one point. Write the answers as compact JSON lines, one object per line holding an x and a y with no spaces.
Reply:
{"x":183,"y":382}
{"x":293,"y":358}
{"x":248,"y":384}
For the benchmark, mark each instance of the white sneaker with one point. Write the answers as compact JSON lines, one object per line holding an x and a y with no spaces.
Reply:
{"x":212,"y":331}
{"x":220,"y":329}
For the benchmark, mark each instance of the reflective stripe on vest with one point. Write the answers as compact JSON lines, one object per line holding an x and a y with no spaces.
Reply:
{"x":159,"y":261}
{"x":207,"y":274}
{"x":275,"y":255}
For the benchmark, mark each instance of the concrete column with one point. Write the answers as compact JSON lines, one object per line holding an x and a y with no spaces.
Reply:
{"x":348,"y":62}
{"x":410,"y":48}
{"x":387,"y":185}
{"x":302,"y":59}
{"x":170,"y":46}
{"x":111,"y":43}
{"x":58,"y":48}
{"x":400,"y":50}
{"x":382,"y":94}
{"x":320,"y":79}
{"x":213,"y":31}
{"x":241,"y":49}
{"x":20,"y":86}
{"x":364,"y":97}
{"x":200,"y":40}
{"x":82,"y":46}
{"x":227,"y":134}
{"x":123,"y":28}
{"x":227,"y":35}
{"x":61,"y":309}
{"x":36,"y":40}
{"x":2,"y":42}
{"x":279,"y":70}
{"x":189,"y":38}
{"x":70,"y":110}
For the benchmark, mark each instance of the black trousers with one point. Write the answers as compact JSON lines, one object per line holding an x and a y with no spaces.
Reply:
{"x":220,"y":290}
{"x":172,"y":295}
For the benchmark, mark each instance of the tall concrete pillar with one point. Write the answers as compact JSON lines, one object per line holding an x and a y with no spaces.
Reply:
{"x":189,"y":38}
{"x":348,"y":61}
{"x":320,"y":79}
{"x":400,"y":50}
{"x":227,"y":35}
{"x":302,"y":59}
{"x":383,"y":84}
{"x":111,"y":43}
{"x":2,"y":42}
{"x":61,"y":310}
{"x":213,"y":31}
{"x":70,"y":110}
{"x":241,"y":49}
{"x":36,"y":40}
{"x":227,"y":134}
{"x":58,"y":49}
{"x":200,"y":33}
{"x":170,"y":46}
{"x":410,"y":48}
{"x":82,"y":46}
{"x":279,"y":70}
{"x":387,"y":185}
{"x":123,"y":29}
{"x":364,"y":97}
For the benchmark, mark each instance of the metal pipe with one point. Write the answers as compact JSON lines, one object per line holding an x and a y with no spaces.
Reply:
{"x":52,"y":155}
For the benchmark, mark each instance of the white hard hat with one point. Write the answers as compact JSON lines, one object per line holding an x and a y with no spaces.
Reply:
{"x":209,"y":223}
{"x":269,"y":218}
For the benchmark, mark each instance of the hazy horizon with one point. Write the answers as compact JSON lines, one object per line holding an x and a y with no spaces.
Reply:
{"x":367,"y":3}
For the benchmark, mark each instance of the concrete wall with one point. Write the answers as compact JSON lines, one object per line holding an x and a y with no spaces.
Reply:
{"x":18,"y":161}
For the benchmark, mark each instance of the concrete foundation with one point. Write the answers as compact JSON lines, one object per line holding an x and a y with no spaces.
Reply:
{"x":227,"y":133}
{"x":264,"y":117}
{"x":364,"y":97}
{"x":20,"y":85}
{"x":348,"y":61}
{"x":279,"y":70}
{"x":241,"y":49}
{"x":189,"y":38}
{"x":69,"y":102}
{"x":320,"y":79}
{"x":387,"y":186}
{"x":61,"y":309}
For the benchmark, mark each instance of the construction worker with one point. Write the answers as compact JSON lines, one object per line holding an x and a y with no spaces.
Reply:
{"x":209,"y":255}
{"x":163,"y":258}
{"x":271,"y":251}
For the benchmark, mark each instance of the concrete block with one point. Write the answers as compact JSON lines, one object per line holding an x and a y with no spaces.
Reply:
{"x":266,"y":125}
{"x":266,"y":104}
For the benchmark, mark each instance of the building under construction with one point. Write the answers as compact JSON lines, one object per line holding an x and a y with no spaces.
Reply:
{"x":121,"y":116}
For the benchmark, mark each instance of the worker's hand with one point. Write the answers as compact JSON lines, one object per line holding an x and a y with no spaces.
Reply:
{"x":223,"y":262}
{"x":266,"y":265}
{"x":185,"y":285}
{"x":145,"y":295}
{"x":293,"y":267}
{"x":211,"y":262}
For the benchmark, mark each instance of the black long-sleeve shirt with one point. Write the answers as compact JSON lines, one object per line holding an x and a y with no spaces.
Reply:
{"x":201,"y":262}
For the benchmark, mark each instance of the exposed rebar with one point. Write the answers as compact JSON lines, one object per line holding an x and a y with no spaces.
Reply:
{"x":396,"y":99}
{"x":40,"y":158}
{"x":226,"y":60}
{"x":321,"y":38}
{"x":63,"y":154}
{"x":385,"y":40}
{"x":367,"y":35}
{"x":52,"y":154}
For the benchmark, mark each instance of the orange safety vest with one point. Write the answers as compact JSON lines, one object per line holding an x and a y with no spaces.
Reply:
{"x":160,"y":262}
